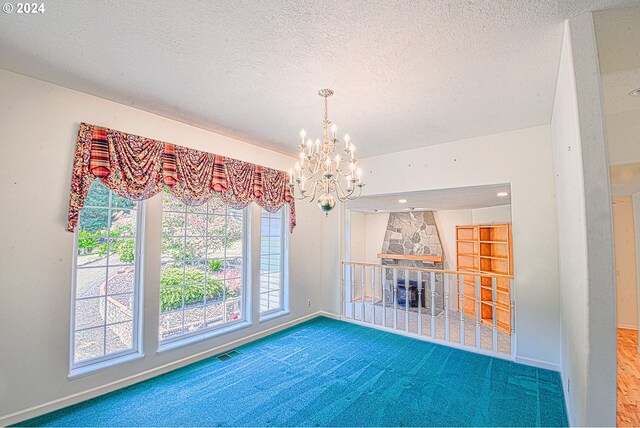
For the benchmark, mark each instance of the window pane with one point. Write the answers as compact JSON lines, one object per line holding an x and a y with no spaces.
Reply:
{"x":93,"y":222}
{"x":196,"y":225}
{"x":98,"y":195}
{"x":119,"y":308}
{"x":119,"y":337}
{"x":89,"y":344}
{"x":90,"y":313}
{"x":88,"y":281}
{"x":173,"y":224}
{"x":202,"y":265}
{"x":271,"y":259}
{"x":105,"y":279}
{"x":170,"y":324}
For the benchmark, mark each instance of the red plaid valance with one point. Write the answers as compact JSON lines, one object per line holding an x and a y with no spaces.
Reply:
{"x":137,"y":168}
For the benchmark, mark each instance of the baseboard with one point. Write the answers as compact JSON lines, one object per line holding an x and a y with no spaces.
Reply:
{"x":78,"y":397}
{"x":628,"y":326}
{"x":538,"y":363}
{"x":329,"y":315}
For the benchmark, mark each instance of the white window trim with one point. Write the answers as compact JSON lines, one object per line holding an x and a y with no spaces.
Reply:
{"x":227,"y":327}
{"x":284,"y":270}
{"x":92,"y":365}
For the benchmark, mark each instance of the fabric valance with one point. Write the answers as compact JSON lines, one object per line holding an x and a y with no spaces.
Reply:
{"x":137,"y":168}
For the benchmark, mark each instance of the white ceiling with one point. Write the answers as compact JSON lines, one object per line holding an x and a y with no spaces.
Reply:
{"x":406,"y":74}
{"x":461,"y":198}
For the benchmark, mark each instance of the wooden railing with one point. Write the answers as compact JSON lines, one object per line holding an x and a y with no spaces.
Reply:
{"x":432,"y":304}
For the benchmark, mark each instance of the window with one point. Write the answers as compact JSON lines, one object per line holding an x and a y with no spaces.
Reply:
{"x":106,"y":290}
{"x":202,"y":267}
{"x":272,"y":250}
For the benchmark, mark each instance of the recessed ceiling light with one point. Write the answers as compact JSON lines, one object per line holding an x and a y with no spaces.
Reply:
{"x":402,"y":201}
{"x":502,"y":194}
{"x":635,"y":92}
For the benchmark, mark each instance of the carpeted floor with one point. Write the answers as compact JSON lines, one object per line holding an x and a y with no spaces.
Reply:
{"x":332,"y":373}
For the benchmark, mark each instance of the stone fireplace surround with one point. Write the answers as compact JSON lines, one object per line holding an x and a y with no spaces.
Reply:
{"x":413,"y":233}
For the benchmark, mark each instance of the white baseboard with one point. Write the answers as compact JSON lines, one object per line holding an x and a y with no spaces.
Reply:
{"x":329,"y":315}
{"x":78,"y":397}
{"x":628,"y":326}
{"x":538,"y":363}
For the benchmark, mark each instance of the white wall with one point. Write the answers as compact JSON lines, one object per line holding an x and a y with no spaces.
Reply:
{"x":524,"y":159}
{"x":624,"y":239}
{"x":358,"y":237}
{"x":584,"y":232}
{"x":492,"y":215}
{"x":623,"y":137}
{"x":635,"y":198}
{"x":376,"y":227}
{"x":38,"y":130}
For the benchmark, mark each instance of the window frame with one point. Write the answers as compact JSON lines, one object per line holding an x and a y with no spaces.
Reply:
{"x":283,"y":309}
{"x":90,"y":365}
{"x":225,"y":327}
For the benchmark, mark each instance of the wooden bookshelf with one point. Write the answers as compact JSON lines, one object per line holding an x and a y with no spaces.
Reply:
{"x":486,"y":249}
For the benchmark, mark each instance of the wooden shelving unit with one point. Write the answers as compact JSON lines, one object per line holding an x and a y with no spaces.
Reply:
{"x":486,"y":249}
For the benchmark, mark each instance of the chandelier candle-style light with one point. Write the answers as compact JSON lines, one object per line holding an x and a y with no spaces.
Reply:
{"x":326,"y":167}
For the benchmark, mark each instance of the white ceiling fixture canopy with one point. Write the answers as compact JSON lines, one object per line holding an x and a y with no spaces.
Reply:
{"x":408,"y":74}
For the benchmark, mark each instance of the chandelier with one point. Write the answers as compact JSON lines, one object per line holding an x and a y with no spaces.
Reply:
{"x":326,"y":168}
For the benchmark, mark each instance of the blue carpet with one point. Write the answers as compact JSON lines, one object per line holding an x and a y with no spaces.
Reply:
{"x":331,"y":373}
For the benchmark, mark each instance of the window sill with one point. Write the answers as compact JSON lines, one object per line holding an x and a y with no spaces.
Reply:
{"x":205,"y":335}
{"x":273,"y":315}
{"x":103,"y":365}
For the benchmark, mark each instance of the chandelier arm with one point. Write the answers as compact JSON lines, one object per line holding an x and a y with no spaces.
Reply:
{"x":315,"y":191}
{"x":352,"y":197}
{"x":341,"y":193}
{"x":343,"y":173}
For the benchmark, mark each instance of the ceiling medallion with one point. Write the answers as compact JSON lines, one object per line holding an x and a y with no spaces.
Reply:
{"x":326,"y":168}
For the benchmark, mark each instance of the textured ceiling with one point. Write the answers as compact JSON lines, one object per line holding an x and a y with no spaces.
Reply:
{"x":406,"y":74}
{"x":461,"y":198}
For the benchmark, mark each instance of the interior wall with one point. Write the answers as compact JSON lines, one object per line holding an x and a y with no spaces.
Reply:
{"x":524,"y":159}
{"x":38,"y":129}
{"x":358,"y":230}
{"x":585,"y":244}
{"x":635,"y":198}
{"x":624,"y":239}
{"x":623,"y":129}
{"x":376,"y":227}
{"x":447,"y":221}
{"x":492,"y":215}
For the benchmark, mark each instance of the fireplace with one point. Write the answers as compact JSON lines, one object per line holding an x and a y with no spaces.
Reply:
{"x":413,"y":233}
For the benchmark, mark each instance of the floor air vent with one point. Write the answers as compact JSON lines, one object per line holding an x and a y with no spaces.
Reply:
{"x":227,"y":355}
